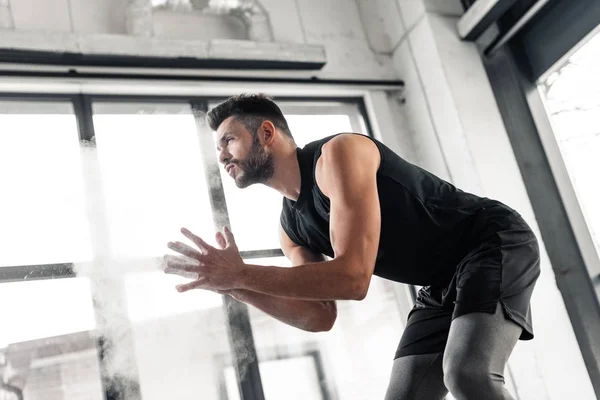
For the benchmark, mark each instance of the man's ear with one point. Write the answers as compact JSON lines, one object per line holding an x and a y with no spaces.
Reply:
{"x":268,"y":132}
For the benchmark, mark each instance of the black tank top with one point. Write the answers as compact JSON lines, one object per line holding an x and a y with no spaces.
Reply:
{"x":427,"y":224}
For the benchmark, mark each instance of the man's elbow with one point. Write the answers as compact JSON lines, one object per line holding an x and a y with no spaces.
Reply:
{"x":357,"y":278}
{"x":359,"y":294}
{"x":359,"y":286}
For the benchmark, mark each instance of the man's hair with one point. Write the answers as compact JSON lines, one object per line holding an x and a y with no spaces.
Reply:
{"x":251,"y":110}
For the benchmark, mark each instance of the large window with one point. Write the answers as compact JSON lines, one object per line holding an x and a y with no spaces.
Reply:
{"x":93,"y":196}
{"x":94,"y":189}
{"x":572,"y":97}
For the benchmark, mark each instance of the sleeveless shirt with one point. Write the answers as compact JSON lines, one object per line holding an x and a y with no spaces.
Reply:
{"x":427,"y":225}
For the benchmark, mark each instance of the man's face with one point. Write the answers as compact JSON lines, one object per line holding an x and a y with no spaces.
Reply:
{"x":243,"y":154}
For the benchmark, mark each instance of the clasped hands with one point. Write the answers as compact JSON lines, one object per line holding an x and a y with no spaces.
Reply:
{"x":217,"y":269}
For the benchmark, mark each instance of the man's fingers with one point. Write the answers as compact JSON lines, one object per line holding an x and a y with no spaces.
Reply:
{"x":181,"y":272}
{"x":182,"y":264}
{"x":189,"y":286}
{"x":173,"y":259}
{"x":186,"y":250}
{"x":205,"y":247}
{"x":229,"y":236}
{"x":221,"y":241}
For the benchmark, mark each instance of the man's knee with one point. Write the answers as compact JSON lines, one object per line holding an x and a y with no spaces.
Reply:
{"x":468,"y":381}
{"x":417,"y":377}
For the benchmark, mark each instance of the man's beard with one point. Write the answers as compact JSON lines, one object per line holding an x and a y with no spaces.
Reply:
{"x":257,"y":167}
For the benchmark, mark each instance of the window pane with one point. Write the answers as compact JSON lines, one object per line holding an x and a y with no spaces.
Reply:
{"x":348,"y":359}
{"x":152,"y":295}
{"x":186,"y":333}
{"x":45,"y":343}
{"x":153,"y":176}
{"x":43,"y":209}
{"x":290,"y":378}
{"x":254,"y":212}
{"x":154,"y":183}
{"x":573,"y":102}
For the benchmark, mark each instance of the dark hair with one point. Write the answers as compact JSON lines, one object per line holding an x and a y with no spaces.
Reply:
{"x":251,"y":110}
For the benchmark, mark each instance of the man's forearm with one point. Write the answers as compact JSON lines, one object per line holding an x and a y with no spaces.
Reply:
{"x":328,"y":280}
{"x":308,"y":315}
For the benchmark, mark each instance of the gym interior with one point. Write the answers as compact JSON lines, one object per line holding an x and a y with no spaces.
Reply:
{"x":105,"y":153}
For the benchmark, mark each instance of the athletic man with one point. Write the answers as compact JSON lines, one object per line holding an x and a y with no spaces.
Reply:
{"x":351,"y":198}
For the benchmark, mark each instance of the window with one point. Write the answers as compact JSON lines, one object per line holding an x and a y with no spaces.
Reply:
{"x":290,"y":378}
{"x":102,"y":208}
{"x":572,"y":96}
{"x":96,"y":187}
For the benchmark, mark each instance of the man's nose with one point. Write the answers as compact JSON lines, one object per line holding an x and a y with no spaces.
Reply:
{"x":224,"y":156}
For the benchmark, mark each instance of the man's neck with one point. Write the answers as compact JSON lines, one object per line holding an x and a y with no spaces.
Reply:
{"x":286,"y":179}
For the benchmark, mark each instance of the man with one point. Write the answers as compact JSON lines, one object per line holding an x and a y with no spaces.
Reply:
{"x":351,"y":198}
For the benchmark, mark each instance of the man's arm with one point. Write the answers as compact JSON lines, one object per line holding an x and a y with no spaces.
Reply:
{"x":309,"y":315}
{"x":346,"y":174}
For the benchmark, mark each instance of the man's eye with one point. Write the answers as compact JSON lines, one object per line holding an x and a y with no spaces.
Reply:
{"x":229,"y":140}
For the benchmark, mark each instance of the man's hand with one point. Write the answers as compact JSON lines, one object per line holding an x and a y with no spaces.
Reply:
{"x":213,"y":269}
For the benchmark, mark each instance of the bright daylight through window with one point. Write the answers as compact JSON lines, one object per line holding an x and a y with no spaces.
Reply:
{"x":572,"y":95}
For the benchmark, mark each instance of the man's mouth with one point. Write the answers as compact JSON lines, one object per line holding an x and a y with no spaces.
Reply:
{"x":229,"y":168}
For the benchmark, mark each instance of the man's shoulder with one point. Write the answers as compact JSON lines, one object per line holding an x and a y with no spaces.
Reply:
{"x":344,"y":150}
{"x":317,"y":144}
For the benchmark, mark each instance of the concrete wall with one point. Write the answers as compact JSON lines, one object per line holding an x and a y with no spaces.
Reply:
{"x":336,"y":24}
{"x":184,"y":25}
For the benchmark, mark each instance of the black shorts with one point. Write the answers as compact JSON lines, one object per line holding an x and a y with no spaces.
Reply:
{"x":502,"y":269}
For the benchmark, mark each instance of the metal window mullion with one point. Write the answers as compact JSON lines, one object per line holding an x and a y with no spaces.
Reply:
{"x":36,"y":272}
{"x":268,"y":253}
{"x":113,"y":386}
{"x":17,"y":273}
{"x":82,"y":107}
{"x":238,"y":320}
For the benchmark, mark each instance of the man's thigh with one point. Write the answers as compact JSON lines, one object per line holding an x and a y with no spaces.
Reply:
{"x":417,"y":377}
{"x":482,"y":343}
{"x":478,"y":348}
